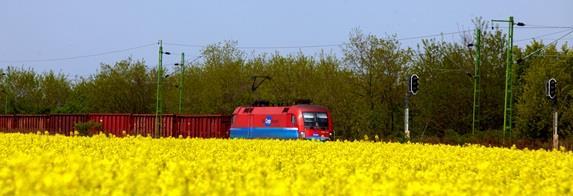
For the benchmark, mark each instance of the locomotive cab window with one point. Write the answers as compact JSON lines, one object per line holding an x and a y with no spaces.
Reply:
{"x":315,"y":120}
{"x":322,"y":120}
{"x":309,"y":119}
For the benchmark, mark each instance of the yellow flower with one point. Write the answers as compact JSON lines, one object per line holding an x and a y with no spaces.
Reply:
{"x":32,"y":164}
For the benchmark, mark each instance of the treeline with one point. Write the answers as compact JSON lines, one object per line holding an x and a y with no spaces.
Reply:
{"x":364,"y":88}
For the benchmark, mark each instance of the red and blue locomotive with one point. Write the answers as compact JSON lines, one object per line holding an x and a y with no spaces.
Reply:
{"x":301,"y":121}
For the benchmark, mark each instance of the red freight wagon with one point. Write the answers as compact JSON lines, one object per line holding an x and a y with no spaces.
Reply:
{"x":204,"y":126}
{"x":7,"y":123}
{"x":144,"y":124}
{"x":64,"y":123}
{"x":115,"y":124}
{"x":283,"y":122}
{"x":30,"y":123}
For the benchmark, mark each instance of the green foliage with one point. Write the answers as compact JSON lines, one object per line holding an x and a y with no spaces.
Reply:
{"x":534,"y":110}
{"x":126,"y":87}
{"x":22,"y":89}
{"x":445,"y":71}
{"x":88,"y":128}
{"x":378,"y":83}
{"x":364,"y":89}
{"x":55,"y":90}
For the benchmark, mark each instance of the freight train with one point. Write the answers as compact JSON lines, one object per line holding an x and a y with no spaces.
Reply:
{"x":299,"y":121}
{"x":203,"y":126}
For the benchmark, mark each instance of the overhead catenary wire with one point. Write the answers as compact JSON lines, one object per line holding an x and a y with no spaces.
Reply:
{"x":543,"y":35}
{"x":434,"y":35}
{"x":77,"y":57}
{"x":546,"y":26}
{"x":539,"y":27}
{"x":316,"y":45}
{"x":260,"y":47}
{"x":543,"y":48}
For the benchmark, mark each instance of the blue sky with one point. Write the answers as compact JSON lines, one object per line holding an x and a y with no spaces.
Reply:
{"x":41,"y":30}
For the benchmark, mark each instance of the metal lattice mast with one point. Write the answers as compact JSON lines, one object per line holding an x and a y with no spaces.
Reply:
{"x":507,"y":112}
{"x":158,"y":108}
{"x":477,"y":89}
{"x":181,"y":75}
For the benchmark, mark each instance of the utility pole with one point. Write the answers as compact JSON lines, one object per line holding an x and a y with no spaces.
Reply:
{"x":509,"y":80}
{"x":181,"y":75}
{"x":5,"y":91}
{"x":508,"y":101}
{"x":475,"y":116}
{"x":158,"y":108}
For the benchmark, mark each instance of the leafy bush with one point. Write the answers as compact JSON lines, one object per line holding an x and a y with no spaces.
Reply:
{"x":87,"y":128}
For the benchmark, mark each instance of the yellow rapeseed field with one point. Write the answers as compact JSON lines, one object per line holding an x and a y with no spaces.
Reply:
{"x":34,"y":164}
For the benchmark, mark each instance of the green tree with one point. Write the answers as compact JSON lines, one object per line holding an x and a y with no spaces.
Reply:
{"x":22,"y":87}
{"x":534,"y":113}
{"x":378,"y":65}
{"x":333,"y":90}
{"x":226,"y":82}
{"x":79,"y":98}
{"x":126,"y":87}
{"x":445,"y":71}
{"x":56,"y":91}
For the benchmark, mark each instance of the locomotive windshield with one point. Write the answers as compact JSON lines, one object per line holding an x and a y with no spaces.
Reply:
{"x":315,"y":120}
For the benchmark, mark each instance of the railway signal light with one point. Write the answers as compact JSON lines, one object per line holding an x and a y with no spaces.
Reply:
{"x":551,"y":93}
{"x":551,"y":89}
{"x":414,"y":84}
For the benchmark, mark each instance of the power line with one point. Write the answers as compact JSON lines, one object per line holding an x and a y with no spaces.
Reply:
{"x":268,"y":47}
{"x":292,"y":47}
{"x":259,"y":47}
{"x":540,"y":27}
{"x":202,"y":46}
{"x":540,"y":49}
{"x":316,"y":45}
{"x":546,"y":26}
{"x":544,"y":35}
{"x":184,"y":45}
{"x":77,"y":57}
{"x":434,"y":35}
